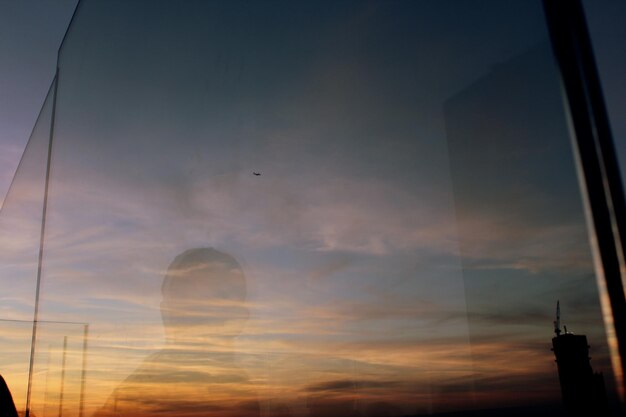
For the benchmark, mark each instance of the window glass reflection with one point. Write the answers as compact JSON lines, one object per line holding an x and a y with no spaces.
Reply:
{"x":20,"y":237}
{"x":303,"y":209}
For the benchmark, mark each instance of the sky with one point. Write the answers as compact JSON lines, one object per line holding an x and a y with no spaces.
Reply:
{"x":30,"y":35}
{"x":401,"y":252}
{"x":32,"y":31}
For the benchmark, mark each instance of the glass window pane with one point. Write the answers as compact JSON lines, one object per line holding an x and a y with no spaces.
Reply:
{"x":313,"y":209}
{"x":20,"y":237}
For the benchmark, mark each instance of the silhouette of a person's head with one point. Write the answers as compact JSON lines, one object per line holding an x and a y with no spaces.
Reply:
{"x":203,"y":308}
{"x":204,"y":293}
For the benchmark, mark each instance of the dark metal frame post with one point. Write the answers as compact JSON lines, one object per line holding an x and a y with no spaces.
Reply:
{"x":596,"y":157}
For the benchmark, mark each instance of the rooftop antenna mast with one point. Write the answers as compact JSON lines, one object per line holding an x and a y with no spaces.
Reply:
{"x":557,"y":322}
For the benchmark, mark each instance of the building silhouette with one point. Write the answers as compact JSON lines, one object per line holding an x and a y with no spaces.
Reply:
{"x":582,"y":389}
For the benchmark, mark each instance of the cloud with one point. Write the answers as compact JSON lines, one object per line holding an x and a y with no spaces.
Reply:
{"x":350,"y":385}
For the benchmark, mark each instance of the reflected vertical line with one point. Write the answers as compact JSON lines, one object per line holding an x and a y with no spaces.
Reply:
{"x":62,"y":376}
{"x":46,"y":390}
{"x":41,"y":245}
{"x":83,"y":372}
{"x":69,"y":26}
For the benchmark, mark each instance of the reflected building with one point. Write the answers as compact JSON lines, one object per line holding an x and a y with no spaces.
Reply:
{"x":583,"y":391}
{"x":509,"y":162}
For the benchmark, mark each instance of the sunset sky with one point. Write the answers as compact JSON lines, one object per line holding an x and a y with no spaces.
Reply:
{"x":416,"y":218}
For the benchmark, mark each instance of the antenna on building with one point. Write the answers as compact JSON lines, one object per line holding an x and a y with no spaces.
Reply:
{"x":557,"y":322}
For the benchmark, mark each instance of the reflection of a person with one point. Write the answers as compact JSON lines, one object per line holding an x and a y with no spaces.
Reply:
{"x":203,"y":309}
